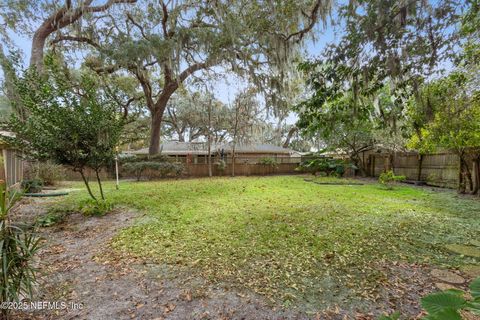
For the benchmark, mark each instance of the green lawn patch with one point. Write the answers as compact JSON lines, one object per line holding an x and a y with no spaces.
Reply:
{"x":289,"y":239}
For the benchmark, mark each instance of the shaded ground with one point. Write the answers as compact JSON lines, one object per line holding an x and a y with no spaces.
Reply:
{"x":78,"y":265}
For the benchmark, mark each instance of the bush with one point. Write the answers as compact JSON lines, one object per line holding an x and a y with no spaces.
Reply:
{"x":48,"y":172}
{"x":153,"y":169}
{"x":221,"y":165}
{"x":328,"y":166}
{"x":158,"y":158}
{"x":149,"y":158}
{"x":271,"y":162}
{"x":54,"y":215}
{"x":388,"y":179}
{"x":98,"y":208}
{"x":32,"y":185}
{"x":18,"y":247}
{"x":50,"y":219}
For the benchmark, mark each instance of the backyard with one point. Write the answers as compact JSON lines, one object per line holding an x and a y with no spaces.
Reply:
{"x":240,"y":159}
{"x":286,"y":242}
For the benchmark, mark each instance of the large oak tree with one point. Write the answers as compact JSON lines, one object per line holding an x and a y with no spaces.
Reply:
{"x":162,"y":44}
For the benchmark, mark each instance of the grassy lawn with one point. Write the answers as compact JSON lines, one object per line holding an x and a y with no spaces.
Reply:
{"x":291,"y":240}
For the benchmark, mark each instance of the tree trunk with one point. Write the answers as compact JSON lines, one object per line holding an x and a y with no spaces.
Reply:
{"x":476,"y":176}
{"x":461,"y":180}
{"x":468,"y":175}
{"x":38,"y":45}
{"x":391,"y":162}
{"x":373,"y":165}
{"x":290,"y":134}
{"x":157,"y":112}
{"x":358,"y":163}
{"x":99,"y":184}
{"x":155,"y":133}
{"x":419,"y":167}
{"x":85,"y":180}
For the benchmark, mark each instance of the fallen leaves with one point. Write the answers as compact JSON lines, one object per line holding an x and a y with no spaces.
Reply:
{"x":287,"y":241}
{"x":169,"y":307}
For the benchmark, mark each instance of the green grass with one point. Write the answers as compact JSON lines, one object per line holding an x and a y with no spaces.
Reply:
{"x":333,"y":180}
{"x":291,"y":240}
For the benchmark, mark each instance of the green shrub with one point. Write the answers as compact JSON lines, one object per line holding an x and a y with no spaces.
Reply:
{"x":158,"y":158}
{"x":54,"y":215}
{"x":152,"y":169}
{"x":388,"y":179}
{"x":91,"y":207}
{"x":32,"y":185}
{"x":325,"y":165}
{"x":18,"y":247}
{"x":50,"y":219}
{"x":174,"y":169}
{"x":271,"y":162}
{"x":149,"y":158}
{"x":221,"y":165}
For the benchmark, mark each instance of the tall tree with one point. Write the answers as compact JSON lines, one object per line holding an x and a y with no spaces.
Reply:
{"x":43,"y":19}
{"x":163,"y":43}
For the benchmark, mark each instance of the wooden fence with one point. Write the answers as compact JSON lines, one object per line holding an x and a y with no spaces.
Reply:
{"x":241,"y":169}
{"x":244,"y":166}
{"x":12,"y":167}
{"x":440,"y":169}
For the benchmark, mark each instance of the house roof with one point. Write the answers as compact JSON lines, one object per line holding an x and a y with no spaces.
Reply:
{"x":257,"y":148}
{"x":201,"y":148}
{"x":177,"y":148}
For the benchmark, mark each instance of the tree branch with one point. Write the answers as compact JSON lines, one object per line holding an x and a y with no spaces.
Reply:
{"x":142,"y":31}
{"x":313,"y":19}
{"x":193,"y":68}
{"x":76,"y":39}
{"x":107,"y":5}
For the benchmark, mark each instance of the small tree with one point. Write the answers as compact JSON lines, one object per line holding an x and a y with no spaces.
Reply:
{"x":71,"y":121}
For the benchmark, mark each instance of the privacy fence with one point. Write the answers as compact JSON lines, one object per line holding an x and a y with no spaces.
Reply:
{"x":244,"y":166}
{"x":440,"y":169}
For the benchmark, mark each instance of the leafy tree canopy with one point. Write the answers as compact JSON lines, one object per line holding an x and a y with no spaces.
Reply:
{"x":70,"y":119}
